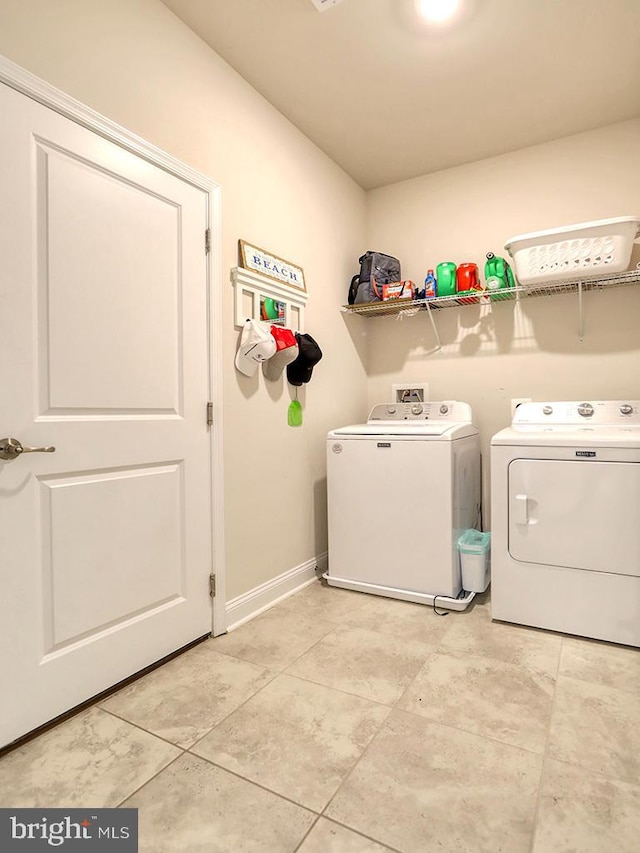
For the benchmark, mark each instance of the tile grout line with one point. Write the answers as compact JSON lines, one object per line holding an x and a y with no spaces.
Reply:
{"x":545,"y":754}
{"x":438,"y":650}
{"x":151,"y":779}
{"x":275,"y":675}
{"x":337,"y":689}
{"x":355,"y":764}
{"x":265,"y":670}
{"x":307,"y":833}
{"x":344,"y":781}
{"x":362,"y":834}
{"x":187,"y":750}
{"x":270,"y":790}
{"x":290,"y":663}
{"x":586,"y":771}
{"x":473,"y":734}
{"x":139,"y":727}
{"x":285,"y":670}
{"x":584,"y":680}
{"x":395,"y":707}
{"x":252,"y":782}
{"x":390,"y":708}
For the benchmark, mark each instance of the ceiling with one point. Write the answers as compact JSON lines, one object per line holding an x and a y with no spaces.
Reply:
{"x":389,"y":99}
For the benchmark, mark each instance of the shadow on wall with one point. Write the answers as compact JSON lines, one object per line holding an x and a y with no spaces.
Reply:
{"x":358,"y":330}
{"x":610,"y":321}
{"x":544,"y":324}
{"x":320,"y":534}
{"x":478,"y":328}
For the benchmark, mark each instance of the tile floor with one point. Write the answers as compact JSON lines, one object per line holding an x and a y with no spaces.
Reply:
{"x":338,"y":721}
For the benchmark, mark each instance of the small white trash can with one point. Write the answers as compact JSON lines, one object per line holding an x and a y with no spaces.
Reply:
{"x":474,"y":548}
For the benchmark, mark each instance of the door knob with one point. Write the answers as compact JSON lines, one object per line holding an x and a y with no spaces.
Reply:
{"x":11,"y":448}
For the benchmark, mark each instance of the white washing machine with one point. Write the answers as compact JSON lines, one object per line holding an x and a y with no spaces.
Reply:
{"x":401,"y":489}
{"x":565,"y":519}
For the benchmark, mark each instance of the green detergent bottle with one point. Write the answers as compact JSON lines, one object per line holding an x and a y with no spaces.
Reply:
{"x":498,"y":276}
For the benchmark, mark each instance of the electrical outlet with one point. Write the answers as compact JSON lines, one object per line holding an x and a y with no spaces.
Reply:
{"x":410,"y":392}
{"x":515,"y":402}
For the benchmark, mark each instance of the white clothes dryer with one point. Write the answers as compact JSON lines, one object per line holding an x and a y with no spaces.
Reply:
{"x":565,"y":518}
{"x":401,"y":490}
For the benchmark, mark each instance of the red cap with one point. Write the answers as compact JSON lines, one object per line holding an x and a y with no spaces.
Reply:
{"x":284,"y":338}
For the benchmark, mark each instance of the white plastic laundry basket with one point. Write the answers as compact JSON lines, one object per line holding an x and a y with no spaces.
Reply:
{"x":589,"y":249}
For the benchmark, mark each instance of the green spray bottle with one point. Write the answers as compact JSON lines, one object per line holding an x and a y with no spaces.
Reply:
{"x":498,"y":276}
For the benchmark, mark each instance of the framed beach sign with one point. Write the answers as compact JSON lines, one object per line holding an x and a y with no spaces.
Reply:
{"x":259,"y":260}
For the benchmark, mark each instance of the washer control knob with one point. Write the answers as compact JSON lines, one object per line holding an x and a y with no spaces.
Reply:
{"x":391,"y":410}
{"x":416,"y":409}
{"x":586,"y":410}
{"x":547,"y":410}
{"x":626,"y":409}
{"x":444,"y":409}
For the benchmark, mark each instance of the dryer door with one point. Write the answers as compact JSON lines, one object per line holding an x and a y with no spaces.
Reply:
{"x":581,"y":515}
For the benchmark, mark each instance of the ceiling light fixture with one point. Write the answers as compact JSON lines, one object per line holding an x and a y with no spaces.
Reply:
{"x":438,"y":11}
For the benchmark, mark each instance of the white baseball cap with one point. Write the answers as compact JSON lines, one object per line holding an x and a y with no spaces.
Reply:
{"x":256,"y":345}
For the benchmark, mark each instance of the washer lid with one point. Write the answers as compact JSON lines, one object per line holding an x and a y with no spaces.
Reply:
{"x":444,"y":420}
{"x":407,"y":430}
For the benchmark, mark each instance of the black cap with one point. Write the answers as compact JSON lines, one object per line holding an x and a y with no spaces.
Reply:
{"x":309,"y":354}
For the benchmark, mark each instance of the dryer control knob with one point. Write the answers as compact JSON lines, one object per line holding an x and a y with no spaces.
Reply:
{"x":547,"y":410}
{"x":626,"y":409}
{"x":391,"y":410}
{"x":585,"y":409}
{"x":444,"y":409}
{"x":416,"y":409}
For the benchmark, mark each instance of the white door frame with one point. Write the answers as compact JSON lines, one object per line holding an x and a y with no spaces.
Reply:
{"x":38,"y":90}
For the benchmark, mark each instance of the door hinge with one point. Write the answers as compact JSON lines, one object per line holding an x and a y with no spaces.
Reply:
{"x":207,"y":240}
{"x":212,"y":586}
{"x":209,"y":413}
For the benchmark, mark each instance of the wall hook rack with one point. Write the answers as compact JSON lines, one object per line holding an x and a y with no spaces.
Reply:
{"x":253,"y":290}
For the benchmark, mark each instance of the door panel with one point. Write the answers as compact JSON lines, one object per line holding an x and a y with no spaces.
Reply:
{"x":108,"y":276}
{"x":106,"y":543}
{"x":136,"y":558}
{"x":581,"y":515}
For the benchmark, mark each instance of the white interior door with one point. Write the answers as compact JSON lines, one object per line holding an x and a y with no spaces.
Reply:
{"x":581,"y":515}
{"x":105,"y":543}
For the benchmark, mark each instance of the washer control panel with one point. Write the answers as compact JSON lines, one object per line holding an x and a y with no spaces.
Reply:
{"x":451,"y":411}
{"x":598,"y":413}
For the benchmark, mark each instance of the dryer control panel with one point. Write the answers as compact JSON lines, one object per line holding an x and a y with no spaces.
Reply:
{"x":449,"y":411}
{"x":595,"y":412}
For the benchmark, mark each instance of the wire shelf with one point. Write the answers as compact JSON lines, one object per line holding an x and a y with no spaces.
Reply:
{"x":412,"y":306}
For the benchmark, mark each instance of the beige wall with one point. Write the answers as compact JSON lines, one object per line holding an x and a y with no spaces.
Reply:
{"x":135,"y":63}
{"x":491,"y":355}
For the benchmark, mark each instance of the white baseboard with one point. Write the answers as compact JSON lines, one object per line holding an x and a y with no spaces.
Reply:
{"x":251,"y":604}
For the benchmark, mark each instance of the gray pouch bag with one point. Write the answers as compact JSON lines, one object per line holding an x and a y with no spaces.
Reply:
{"x":376,"y":269}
